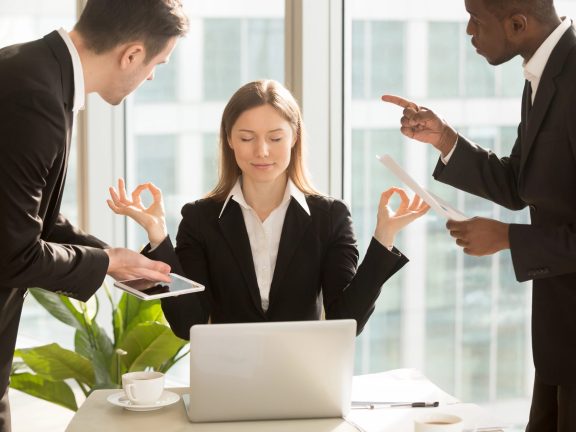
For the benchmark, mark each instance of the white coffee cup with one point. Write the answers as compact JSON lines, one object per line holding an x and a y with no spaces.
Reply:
{"x":143,"y":388}
{"x":438,"y":422}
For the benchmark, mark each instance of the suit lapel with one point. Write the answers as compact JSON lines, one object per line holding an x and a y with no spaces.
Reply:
{"x":546,"y":91}
{"x":59,"y":49}
{"x":295,"y":224}
{"x":234,"y":231}
{"x":534,"y":118}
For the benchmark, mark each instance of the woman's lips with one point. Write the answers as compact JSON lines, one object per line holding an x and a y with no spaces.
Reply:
{"x":263,"y":166}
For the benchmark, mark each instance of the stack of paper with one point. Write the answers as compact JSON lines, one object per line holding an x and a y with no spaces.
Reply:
{"x":403,"y":386}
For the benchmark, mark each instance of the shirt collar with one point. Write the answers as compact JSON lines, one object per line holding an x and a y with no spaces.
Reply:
{"x":79,"y":96}
{"x":534,"y":67}
{"x":297,"y":194}
{"x":291,"y":191}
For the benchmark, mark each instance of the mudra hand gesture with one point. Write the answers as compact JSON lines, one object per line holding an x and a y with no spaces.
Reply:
{"x":389,"y":223}
{"x":152,"y":218}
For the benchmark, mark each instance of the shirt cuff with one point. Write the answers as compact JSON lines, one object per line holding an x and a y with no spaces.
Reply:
{"x":446,"y":158}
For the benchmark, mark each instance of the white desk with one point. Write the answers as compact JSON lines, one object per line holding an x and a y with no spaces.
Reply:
{"x":97,"y":414}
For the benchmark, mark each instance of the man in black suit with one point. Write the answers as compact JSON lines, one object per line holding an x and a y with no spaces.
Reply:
{"x":113,"y":48}
{"x":540,"y":173}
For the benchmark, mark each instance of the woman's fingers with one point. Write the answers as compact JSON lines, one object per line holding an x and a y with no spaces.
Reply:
{"x":406,"y":207}
{"x":385,"y":197}
{"x":416,"y":201}
{"x":118,"y":209}
{"x":156,"y":192}
{"x":114,"y":195}
{"x":404,"y":201}
{"x":136,"y":198}
{"x":113,"y":207}
{"x":120,"y":197}
{"x":122,"y":191}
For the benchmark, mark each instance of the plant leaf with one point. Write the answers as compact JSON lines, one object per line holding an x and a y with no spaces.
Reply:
{"x":132,"y":311}
{"x":104,"y":357}
{"x":150,"y":344}
{"x":60,"y":307}
{"x":58,"y":392}
{"x":56,"y":363}
{"x":17,"y":367}
{"x":82,"y":344}
{"x":100,"y":351}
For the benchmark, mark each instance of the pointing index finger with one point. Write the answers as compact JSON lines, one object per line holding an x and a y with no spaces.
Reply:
{"x":400,"y":101}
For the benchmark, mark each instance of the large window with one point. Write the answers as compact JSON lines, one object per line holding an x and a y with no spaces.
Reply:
{"x":463,"y":320}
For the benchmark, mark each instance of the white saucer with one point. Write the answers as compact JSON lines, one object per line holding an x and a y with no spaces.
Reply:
{"x":120,"y":399}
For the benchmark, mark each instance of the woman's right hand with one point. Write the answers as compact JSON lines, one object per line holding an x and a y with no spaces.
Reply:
{"x":152,"y":218}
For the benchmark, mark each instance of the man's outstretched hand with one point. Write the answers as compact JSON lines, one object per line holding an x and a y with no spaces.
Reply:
{"x":423,"y":124}
{"x":126,"y":264}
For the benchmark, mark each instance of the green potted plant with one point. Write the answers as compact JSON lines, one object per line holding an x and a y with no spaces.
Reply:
{"x":142,"y":340}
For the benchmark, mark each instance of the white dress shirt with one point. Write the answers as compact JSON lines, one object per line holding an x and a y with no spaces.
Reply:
{"x":79,"y":96}
{"x":534,"y":67}
{"x":265,"y":236}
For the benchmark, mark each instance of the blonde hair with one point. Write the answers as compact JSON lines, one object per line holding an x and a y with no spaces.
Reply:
{"x":252,"y":95}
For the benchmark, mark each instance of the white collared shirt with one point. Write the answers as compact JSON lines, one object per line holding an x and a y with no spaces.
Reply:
{"x":265,"y":236}
{"x":534,"y":68}
{"x":79,"y":96}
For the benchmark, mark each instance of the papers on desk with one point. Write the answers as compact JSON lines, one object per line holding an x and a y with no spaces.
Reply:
{"x":409,"y":385}
{"x":438,"y":204}
{"x":399,"y":385}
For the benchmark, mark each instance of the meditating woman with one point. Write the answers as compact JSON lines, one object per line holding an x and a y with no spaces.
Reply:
{"x":264,"y":242}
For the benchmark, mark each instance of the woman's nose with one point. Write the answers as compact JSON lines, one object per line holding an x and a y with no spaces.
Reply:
{"x":262,"y":149}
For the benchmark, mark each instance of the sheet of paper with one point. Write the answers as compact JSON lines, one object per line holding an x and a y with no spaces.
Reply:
{"x":436,"y":203}
{"x":399,"y":385}
{"x":409,"y":385}
{"x":476,"y":419}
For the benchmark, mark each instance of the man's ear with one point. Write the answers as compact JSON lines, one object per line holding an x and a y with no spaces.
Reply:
{"x":131,"y":55}
{"x":516,"y":25}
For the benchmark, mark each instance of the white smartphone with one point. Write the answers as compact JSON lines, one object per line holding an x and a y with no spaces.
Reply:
{"x":150,"y":290}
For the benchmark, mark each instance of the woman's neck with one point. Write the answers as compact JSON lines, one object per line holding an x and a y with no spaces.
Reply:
{"x":264,"y":197}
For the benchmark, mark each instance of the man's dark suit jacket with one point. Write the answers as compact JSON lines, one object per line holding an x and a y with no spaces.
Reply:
{"x":317,"y":259}
{"x":541,"y":173}
{"x":38,"y":246}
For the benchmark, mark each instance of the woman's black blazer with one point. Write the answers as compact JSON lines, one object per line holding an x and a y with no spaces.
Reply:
{"x":317,"y":261}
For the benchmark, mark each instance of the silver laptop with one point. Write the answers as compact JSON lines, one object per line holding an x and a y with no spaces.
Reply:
{"x":282,"y":370}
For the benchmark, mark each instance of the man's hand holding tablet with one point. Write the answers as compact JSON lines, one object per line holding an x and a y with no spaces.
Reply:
{"x":150,"y":290}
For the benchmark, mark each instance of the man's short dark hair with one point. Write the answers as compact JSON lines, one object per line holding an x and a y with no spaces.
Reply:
{"x":105,"y":24}
{"x":542,"y":10}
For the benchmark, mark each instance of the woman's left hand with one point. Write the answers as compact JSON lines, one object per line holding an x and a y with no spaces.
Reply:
{"x":389,"y":223}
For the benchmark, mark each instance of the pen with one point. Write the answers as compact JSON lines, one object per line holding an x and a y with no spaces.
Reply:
{"x":373,"y":405}
{"x":416,"y":404}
